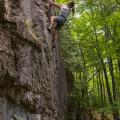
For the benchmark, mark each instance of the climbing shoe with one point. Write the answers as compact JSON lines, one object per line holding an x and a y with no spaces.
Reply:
{"x":49,"y":29}
{"x":53,"y":45}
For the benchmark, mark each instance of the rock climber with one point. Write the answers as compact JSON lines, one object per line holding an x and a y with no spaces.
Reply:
{"x":57,"y":22}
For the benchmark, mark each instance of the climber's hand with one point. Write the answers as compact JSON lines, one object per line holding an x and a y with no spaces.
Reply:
{"x":54,"y":4}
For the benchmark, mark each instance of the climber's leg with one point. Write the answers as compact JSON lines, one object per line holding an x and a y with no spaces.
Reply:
{"x":53,"y":35}
{"x":52,"y":23}
{"x":56,"y":35}
{"x":55,"y":40}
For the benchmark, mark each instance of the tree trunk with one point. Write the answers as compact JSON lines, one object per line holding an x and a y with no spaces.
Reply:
{"x":108,"y":36}
{"x":104,"y":69}
{"x":113,"y":77}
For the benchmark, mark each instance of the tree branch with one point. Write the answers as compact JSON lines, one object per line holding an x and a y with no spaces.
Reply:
{"x":94,"y":74}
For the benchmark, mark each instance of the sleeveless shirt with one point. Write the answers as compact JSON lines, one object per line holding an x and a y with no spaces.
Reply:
{"x":65,"y":11}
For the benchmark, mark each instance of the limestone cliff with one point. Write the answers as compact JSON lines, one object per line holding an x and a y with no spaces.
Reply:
{"x":32,"y":77}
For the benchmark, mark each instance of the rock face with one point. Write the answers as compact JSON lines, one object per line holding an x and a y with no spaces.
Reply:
{"x":32,"y":78}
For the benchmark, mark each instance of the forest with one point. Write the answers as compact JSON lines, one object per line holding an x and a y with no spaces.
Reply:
{"x":90,"y":47}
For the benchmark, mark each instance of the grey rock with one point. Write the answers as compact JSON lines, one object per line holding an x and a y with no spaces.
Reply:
{"x":33,"y":82}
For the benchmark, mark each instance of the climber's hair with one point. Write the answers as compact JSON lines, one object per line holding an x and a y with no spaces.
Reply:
{"x":72,"y":6}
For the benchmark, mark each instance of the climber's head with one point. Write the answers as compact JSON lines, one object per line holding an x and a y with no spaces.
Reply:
{"x":72,"y":6}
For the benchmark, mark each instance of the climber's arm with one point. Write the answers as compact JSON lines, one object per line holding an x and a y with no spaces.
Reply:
{"x":54,"y":4}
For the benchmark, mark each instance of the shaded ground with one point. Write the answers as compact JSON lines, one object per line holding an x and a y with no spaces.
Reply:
{"x":97,"y":116}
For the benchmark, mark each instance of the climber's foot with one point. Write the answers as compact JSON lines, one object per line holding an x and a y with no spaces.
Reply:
{"x":54,"y":45}
{"x":49,"y":29}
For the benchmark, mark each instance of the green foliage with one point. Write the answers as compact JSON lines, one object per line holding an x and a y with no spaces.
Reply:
{"x":89,"y":37}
